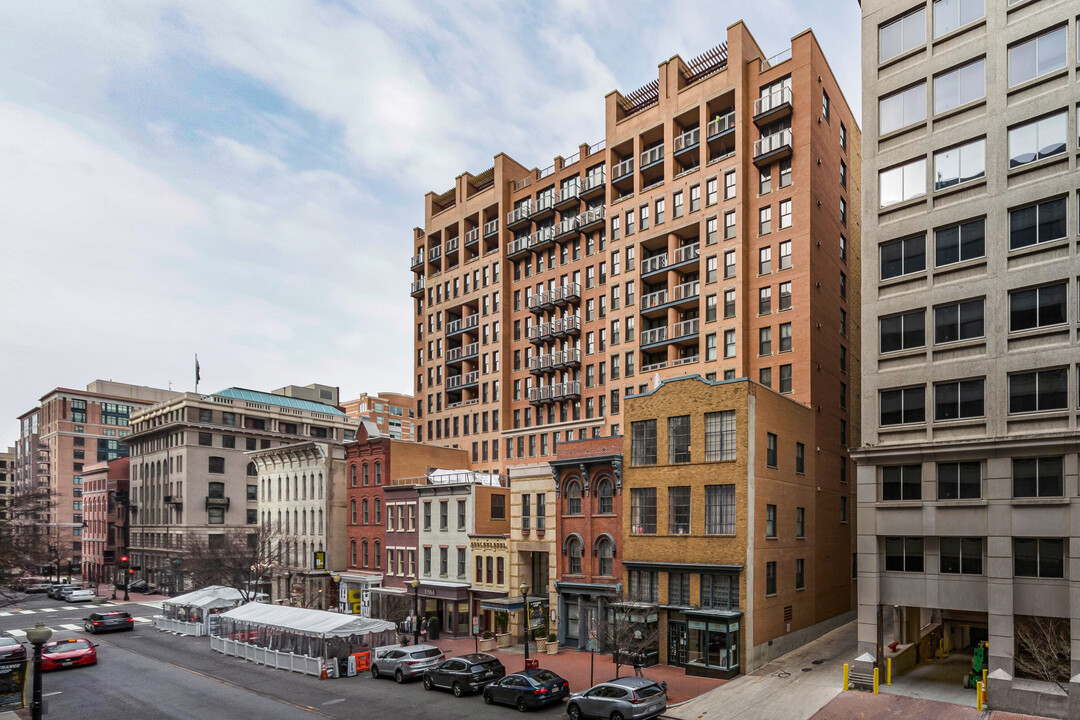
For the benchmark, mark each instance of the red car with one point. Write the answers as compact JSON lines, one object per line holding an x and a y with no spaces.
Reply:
{"x":68,"y":653}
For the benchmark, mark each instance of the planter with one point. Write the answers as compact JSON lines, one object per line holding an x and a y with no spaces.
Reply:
{"x":505,"y":640}
{"x":487,"y":645}
{"x":553,"y":648}
{"x":541,"y":645}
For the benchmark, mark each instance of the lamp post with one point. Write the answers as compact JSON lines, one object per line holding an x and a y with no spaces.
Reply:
{"x":415,"y":583}
{"x":37,"y":636}
{"x":525,"y":619}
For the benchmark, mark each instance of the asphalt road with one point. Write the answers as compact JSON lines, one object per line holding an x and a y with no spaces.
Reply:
{"x":151,"y":674}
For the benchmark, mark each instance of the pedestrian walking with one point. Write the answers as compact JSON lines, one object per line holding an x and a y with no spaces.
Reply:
{"x":639,"y":665}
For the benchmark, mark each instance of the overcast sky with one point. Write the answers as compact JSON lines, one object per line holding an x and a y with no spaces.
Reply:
{"x":241,"y":179}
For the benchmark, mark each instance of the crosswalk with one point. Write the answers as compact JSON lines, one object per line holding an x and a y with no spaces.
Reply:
{"x":71,"y":627}
{"x":9,"y":613}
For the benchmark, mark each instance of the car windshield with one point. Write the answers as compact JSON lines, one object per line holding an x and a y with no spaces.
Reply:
{"x":489,"y":665}
{"x":66,"y":647}
{"x":426,"y":653}
{"x":545,"y":676}
{"x":7,"y":642}
{"x":649,"y":691}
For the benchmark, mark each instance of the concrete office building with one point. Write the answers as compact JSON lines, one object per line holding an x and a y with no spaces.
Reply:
{"x":714,"y":230}
{"x":393,"y":413}
{"x":967,"y":483}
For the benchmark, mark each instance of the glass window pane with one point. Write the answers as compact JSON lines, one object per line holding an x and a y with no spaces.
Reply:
{"x":891,"y":113}
{"x":1052,"y":220}
{"x":889,"y":41}
{"x":915,"y":30}
{"x":946,"y":18}
{"x":892,"y":187}
{"x":1025,"y":482}
{"x":971,"y":319}
{"x":915,"y":179}
{"x":946,"y":168}
{"x":1051,"y":51}
{"x":1022,"y":227}
{"x":946,"y":323}
{"x":1023,"y":144}
{"x":973,"y":161}
{"x":947,"y":246}
{"x":970,"y":11}
{"x":1026,"y":557}
{"x":914,"y":104}
{"x":1053,"y":389}
{"x":1051,"y":558}
{"x":972,"y":82}
{"x":1022,"y":393}
{"x":946,"y":92}
{"x":1021,"y":63}
{"x":1052,"y":133}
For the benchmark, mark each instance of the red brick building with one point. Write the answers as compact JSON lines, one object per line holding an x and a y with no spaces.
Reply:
{"x":588,"y":479}
{"x":103,"y":539}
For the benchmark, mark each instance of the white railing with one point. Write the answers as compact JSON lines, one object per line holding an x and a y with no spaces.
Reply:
{"x":590,"y":216}
{"x":416,"y":260}
{"x":772,"y":99}
{"x":435,"y":253}
{"x":685,"y":360}
{"x":652,"y":155}
{"x":416,"y":287}
{"x":684,"y":328}
{"x":597,"y":147}
{"x":592,"y":182}
{"x":451,"y":245}
{"x":466,"y":323}
{"x":772,"y":142}
{"x":653,"y":299}
{"x":721,"y":124}
{"x":625,"y":167}
{"x":472,"y":236}
{"x":686,"y":290}
{"x":522,"y":183}
{"x":457,"y":353}
{"x":567,"y":225}
{"x":569,"y":192}
{"x":686,"y":140}
{"x":491,"y":227}
{"x":264,"y":656}
{"x":654,"y":263}
{"x":542,"y":236}
{"x":456,"y":381}
{"x":516,"y":246}
{"x":567,"y":161}
{"x":654,"y":366}
{"x":544,"y":202}
{"x":648,"y":337}
{"x":550,"y":169}
{"x":686,"y":252}
{"x":519,"y":213}
{"x":179,"y":627}
{"x":785,"y":55}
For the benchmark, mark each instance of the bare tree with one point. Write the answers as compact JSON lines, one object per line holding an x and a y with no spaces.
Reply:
{"x":395,"y":608}
{"x":1043,"y":649}
{"x":240,"y":558}
{"x":623,"y":634}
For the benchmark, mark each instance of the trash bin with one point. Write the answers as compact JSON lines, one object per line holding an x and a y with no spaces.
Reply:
{"x":532,"y":664}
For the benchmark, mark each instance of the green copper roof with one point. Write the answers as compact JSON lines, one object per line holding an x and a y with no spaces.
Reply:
{"x":280,"y":400}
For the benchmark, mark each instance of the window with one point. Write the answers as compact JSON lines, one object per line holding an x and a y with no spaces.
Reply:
{"x":720,"y":436}
{"x":710,"y":269}
{"x":444,"y":515}
{"x":215,"y":516}
{"x":695,"y":198}
{"x":605,"y":555}
{"x":643,"y":511}
{"x":215,"y":465}
{"x":903,"y":332}
{"x":960,"y":164}
{"x":901,"y":482}
{"x":903,"y":257}
{"x":729,"y":304}
{"x":770,"y":521}
{"x":659,"y":220}
{"x":710,"y":307}
{"x":903,"y":554}
{"x":765,"y":341}
{"x":907,"y":405}
{"x":765,"y":377}
{"x":764,"y":260}
{"x":444,"y":564}
{"x":643,"y":442}
{"x":785,"y":255}
{"x":1038,"y":140}
{"x":825,"y":109}
{"x":902,"y":108}
{"x":498,"y":507}
{"x":729,"y":343}
{"x":785,"y":337}
{"x":644,"y":586}
{"x":729,"y":186}
{"x":1038,"y":307}
{"x":800,"y":575}
{"x":729,"y":225}
{"x":785,"y":216}
{"x":720,"y":591}
{"x":719,"y":509}
{"x":1039,"y":391}
{"x":605,"y":498}
{"x":785,"y":295}
{"x":961,"y":555}
{"x":1039,"y":557}
{"x":960,"y":86}
{"x":800,"y":522}
{"x":573,"y":498}
{"x":678,"y":588}
{"x":959,"y":481}
{"x":843,"y":174}
{"x":1037,"y":57}
{"x":679,"y":510}
{"x":765,"y":181}
{"x":785,"y":167}
{"x":903,"y":34}
{"x":958,"y":243}
{"x":962,"y":321}
{"x":679,"y":439}
{"x":710,"y":231}
{"x":1039,"y":223}
{"x":770,"y":578}
{"x":729,"y":264}
{"x":677,"y":205}
{"x":710,"y":346}
{"x":785,"y":378}
{"x":765,"y":220}
{"x":952,"y":14}
{"x":770,"y":450}
{"x":955,"y":400}
{"x":902,"y":183}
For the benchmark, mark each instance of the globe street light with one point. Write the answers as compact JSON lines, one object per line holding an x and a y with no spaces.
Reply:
{"x":525,"y":619}
{"x":416,"y":610}
{"x":37,"y":636}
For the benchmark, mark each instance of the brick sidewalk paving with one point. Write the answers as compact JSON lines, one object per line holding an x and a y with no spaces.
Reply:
{"x":574,"y":666}
{"x":861,"y":705}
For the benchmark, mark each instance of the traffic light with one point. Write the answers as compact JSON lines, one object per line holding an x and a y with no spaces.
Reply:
{"x":125,"y":562}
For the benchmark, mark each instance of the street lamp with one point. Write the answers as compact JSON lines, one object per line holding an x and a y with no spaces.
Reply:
{"x":37,"y":636}
{"x":525,"y":619}
{"x":415,"y":583}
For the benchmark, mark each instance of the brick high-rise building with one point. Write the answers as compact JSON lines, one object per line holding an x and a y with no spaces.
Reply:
{"x":393,"y":413}
{"x":105,"y":493}
{"x":714,"y":230}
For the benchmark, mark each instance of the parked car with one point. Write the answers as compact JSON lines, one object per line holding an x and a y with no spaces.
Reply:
{"x":56,"y":591}
{"x":68,"y":653}
{"x":11,"y":649}
{"x":74,"y":596}
{"x":629,"y":698}
{"x":527,"y":690}
{"x":37,"y":588}
{"x":464,"y":674}
{"x":102,"y":622}
{"x":404,"y":663}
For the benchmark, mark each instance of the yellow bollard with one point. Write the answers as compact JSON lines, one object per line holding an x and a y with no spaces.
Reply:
{"x":845,"y":676}
{"x":979,"y":696}
{"x":984,"y":677}
{"x":945,"y":645}
{"x":888,"y":671}
{"x":876,"y":670}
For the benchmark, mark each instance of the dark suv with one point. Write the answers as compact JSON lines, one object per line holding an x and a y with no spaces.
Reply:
{"x":464,"y":674}
{"x":101,"y":622}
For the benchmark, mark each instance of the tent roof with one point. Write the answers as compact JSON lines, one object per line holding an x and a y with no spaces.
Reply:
{"x":208,"y":597}
{"x":318,"y":622}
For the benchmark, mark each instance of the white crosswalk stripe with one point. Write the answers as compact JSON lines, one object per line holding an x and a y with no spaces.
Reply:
{"x":143,"y":620}
{"x":16,"y":633}
{"x":6,"y":614}
{"x":26,"y":612}
{"x":68,"y":607}
{"x":72,"y":627}
{"x":49,"y":610}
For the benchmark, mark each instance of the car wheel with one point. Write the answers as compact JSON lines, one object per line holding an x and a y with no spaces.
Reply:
{"x":574,"y":712}
{"x":399,"y":676}
{"x":522,"y":706}
{"x":458,"y":690}
{"x":428,"y":684}
{"x":375,"y":671}
{"x":616,"y":716}
{"x":88,"y":627}
{"x":489,"y":699}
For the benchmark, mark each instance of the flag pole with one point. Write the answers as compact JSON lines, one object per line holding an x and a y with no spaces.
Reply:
{"x":197,"y":375}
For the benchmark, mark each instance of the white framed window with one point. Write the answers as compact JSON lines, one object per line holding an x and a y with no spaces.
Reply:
{"x":960,"y":164}
{"x":1038,"y":139}
{"x":960,"y":86}
{"x":903,"y":34}
{"x":1037,"y":57}
{"x":785,"y":213}
{"x":902,"y":108}
{"x":902,"y":183}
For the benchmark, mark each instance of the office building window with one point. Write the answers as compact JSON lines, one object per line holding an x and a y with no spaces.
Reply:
{"x":903,"y":554}
{"x":960,"y":164}
{"x":1039,"y":391}
{"x":901,"y":482}
{"x":902,"y":108}
{"x":955,"y":400}
{"x":679,"y":439}
{"x":765,"y":341}
{"x":960,"y":321}
{"x":643,"y":511}
{"x":902,"y":183}
{"x":903,"y":406}
{"x":679,"y":510}
{"x":959,"y":481}
{"x":1039,"y":557}
{"x":1038,"y":56}
{"x":1038,"y":140}
{"x":719,"y":509}
{"x":643,"y":442}
{"x":903,"y":332}
{"x":720,"y":436}
{"x":961,"y":556}
{"x":903,"y":257}
{"x":958,"y":243}
{"x":960,"y":86}
{"x":1039,"y":223}
{"x":1038,"y":477}
{"x":1038,"y":307}
{"x":903,"y":34}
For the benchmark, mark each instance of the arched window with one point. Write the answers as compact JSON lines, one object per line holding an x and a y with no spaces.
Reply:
{"x":364,"y":555}
{"x":251,"y":470}
{"x":378,"y":511}
{"x":364,"y":505}
{"x":352,"y":512}
{"x":378,"y":554}
{"x":573,"y":498}
{"x":365,"y":475}
{"x":303,"y":487}
{"x":573,"y":554}
{"x":606,"y":496}
{"x":352,"y":476}
{"x":352,"y":553}
{"x":320,"y":522}
{"x":605,"y":551}
{"x":378,"y":473}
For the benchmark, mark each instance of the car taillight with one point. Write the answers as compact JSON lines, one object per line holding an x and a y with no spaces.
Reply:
{"x":412,"y":662}
{"x":96,"y":622}
{"x":539,"y":691}
{"x":636,"y":700}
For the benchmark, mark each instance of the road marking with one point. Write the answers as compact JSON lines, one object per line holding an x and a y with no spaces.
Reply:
{"x":67,"y":607}
{"x":50,"y":610}
{"x":72,"y":627}
{"x":16,"y":633}
{"x":6,"y":614}
{"x":58,"y":692}
{"x":26,"y":612}
{"x":334,"y":702}
{"x":143,"y":620}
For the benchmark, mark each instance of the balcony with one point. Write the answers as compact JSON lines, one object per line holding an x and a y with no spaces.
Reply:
{"x":686,"y":292}
{"x":654,"y":264}
{"x":566,"y":390}
{"x":544,"y":205}
{"x":567,"y":358}
{"x":491,"y":227}
{"x":772,"y":147}
{"x":465,"y":352}
{"x":689,"y":140}
{"x":688,"y":360}
{"x":654,"y":336}
{"x":542,"y":237}
{"x":538,"y":301}
{"x":571,"y":292}
{"x":520,"y":215}
{"x":569,"y":196}
{"x":721,"y":125}
{"x":416,"y":287}
{"x":435,"y":253}
{"x":593,"y":185}
{"x":652,"y":157}
{"x":451,"y":245}
{"x":685,"y":329}
{"x":623,"y":170}
{"x":458,"y":382}
{"x":590,"y":219}
{"x":222,"y":502}
{"x":538,"y":395}
{"x":685,"y":254}
{"x":472,"y":237}
{"x":456,"y":327}
{"x":540,"y":363}
{"x":654,"y":299}
{"x":569,"y":325}
{"x":416,"y":261}
{"x":772,"y":106}
{"x":517,"y":247}
{"x":566,"y":227}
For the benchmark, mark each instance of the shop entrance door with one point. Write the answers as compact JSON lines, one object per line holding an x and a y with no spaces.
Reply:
{"x":677,"y":643}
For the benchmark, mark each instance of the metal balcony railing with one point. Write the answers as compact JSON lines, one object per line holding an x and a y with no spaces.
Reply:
{"x":515,"y":246}
{"x":469,"y":322}
{"x":566,"y":225}
{"x":457,"y":381}
{"x":451,"y":245}
{"x":652,"y":155}
{"x":537,"y":300}
{"x":569,"y":192}
{"x":773,"y":99}
{"x":544,"y":202}
{"x":654,"y":263}
{"x":684,"y":328}
{"x":416,"y":261}
{"x":769,"y":143}
{"x":721,"y":124}
{"x":685,"y":253}
{"x":542,"y":236}
{"x":648,"y":337}
{"x":459,"y":353}
{"x":521,"y":212}
{"x":570,"y":291}
{"x":416,"y":286}
{"x":590,"y":216}
{"x":491,"y":227}
{"x":472,"y":236}
{"x":686,"y":290}
{"x":653,"y":299}
{"x":622,"y":169}
{"x":592,"y":182}
{"x":435,"y":253}
{"x":688,"y":139}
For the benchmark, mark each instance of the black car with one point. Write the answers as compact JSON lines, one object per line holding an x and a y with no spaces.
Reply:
{"x":527,"y":689}
{"x":101,"y":622}
{"x":467,"y":673}
{"x":11,"y":649}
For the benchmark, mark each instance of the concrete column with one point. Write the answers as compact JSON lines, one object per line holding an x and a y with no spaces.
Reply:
{"x":869,"y":560}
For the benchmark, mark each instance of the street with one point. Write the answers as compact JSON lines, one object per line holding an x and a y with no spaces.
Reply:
{"x":147,"y":673}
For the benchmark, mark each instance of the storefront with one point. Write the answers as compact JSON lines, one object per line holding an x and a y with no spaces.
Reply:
{"x":581,"y":605}
{"x":354,"y":592}
{"x":449,"y":602}
{"x":705,"y":643}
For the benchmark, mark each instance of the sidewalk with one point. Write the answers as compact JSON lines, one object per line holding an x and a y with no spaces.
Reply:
{"x":574,"y":667}
{"x":897,"y":707}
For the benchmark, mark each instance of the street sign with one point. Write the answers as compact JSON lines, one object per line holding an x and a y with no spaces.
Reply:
{"x":475,"y":624}
{"x":320,"y":560}
{"x":13,"y":680}
{"x":536,"y":614}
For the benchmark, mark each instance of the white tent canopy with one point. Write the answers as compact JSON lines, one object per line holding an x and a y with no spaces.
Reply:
{"x":316,"y":622}
{"x":213,"y":596}
{"x":446,"y":477}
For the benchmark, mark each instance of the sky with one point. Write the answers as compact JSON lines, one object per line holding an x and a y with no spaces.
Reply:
{"x":240,"y":178}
